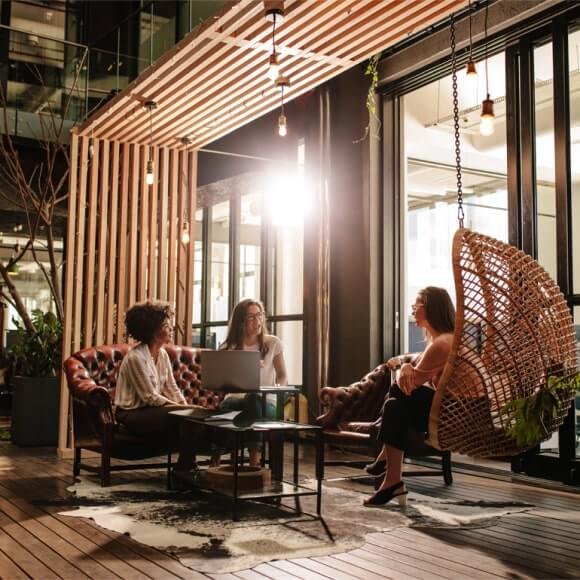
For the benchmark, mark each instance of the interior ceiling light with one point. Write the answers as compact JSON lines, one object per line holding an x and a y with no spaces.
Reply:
{"x":487,"y":117}
{"x":150,"y":175}
{"x":470,"y":70}
{"x":282,"y":82}
{"x":274,"y":10}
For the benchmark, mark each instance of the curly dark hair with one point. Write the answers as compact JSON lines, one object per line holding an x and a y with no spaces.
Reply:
{"x":145,"y":320}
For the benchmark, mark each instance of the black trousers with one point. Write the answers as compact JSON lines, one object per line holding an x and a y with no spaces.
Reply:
{"x":403,"y":412}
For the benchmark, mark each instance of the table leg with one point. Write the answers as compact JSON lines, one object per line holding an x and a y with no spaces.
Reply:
{"x":319,"y":470}
{"x":296,"y":407}
{"x":296,"y":451}
{"x":236,"y":473}
{"x":277,"y":455}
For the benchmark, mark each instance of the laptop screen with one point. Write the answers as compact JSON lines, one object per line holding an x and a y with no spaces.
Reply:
{"x":236,"y":370}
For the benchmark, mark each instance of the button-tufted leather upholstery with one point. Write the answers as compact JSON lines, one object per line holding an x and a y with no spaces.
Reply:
{"x":352,"y":417}
{"x":92,"y":378}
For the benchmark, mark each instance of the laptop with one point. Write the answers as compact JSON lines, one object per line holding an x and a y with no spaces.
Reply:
{"x":231,"y":370}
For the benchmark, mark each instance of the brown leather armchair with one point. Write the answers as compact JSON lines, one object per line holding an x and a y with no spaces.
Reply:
{"x":351,"y":419}
{"x":92,"y":376}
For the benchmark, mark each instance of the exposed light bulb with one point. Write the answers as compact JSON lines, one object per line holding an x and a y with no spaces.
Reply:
{"x":149,"y":177}
{"x":185,"y":234}
{"x":487,"y":117}
{"x":282,"y":127}
{"x":273,"y":67}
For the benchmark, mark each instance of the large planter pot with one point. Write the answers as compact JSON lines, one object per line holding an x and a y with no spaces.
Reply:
{"x":35,"y":409}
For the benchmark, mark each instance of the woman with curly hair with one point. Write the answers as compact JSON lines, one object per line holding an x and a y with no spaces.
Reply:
{"x":146,"y":390}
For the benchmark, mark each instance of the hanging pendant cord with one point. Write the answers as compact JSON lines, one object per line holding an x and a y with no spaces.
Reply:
{"x":460,"y":212}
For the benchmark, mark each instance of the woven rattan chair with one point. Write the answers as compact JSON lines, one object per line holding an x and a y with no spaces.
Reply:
{"x":513,"y":330}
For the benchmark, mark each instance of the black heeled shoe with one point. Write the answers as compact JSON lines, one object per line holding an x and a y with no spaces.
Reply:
{"x":384,"y":496}
{"x":377,"y":467}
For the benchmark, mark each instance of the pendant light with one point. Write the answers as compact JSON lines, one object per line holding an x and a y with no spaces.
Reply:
{"x":470,"y":70}
{"x":487,"y":117}
{"x":150,"y":175}
{"x":282,"y":82}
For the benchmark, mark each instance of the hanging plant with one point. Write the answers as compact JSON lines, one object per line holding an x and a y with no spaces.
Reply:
{"x":371,"y":70}
{"x":529,"y":417}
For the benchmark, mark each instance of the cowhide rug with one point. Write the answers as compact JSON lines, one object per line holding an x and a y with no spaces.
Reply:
{"x":197,"y":528}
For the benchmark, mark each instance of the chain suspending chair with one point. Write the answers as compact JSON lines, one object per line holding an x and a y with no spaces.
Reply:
{"x":513,"y":331}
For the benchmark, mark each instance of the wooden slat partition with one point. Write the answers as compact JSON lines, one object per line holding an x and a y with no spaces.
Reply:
{"x":122,"y":243}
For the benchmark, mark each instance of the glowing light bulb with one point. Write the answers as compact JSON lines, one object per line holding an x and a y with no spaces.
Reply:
{"x":282,"y":127}
{"x":149,"y":177}
{"x":487,"y":117}
{"x":273,"y":67}
{"x":185,"y":234}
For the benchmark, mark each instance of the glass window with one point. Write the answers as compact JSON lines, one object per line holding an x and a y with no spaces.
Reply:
{"x":574,"y":80}
{"x":215,"y":335}
{"x":250,"y":245}
{"x":545,"y":166}
{"x":220,"y":261}
{"x":290,"y":333}
{"x":431,"y":183}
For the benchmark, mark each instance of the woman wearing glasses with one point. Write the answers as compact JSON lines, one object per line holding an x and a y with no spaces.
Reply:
{"x":409,"y":400}
{"x":247,"y":331}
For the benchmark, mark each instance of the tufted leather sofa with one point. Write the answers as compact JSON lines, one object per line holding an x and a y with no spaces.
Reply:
{"x":351,"y":418}
{"x":92,"y":377}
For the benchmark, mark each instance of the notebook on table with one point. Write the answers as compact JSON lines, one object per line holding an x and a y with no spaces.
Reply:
{"x":230,"y":370}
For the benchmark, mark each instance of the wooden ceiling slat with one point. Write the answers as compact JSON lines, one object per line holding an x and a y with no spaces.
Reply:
{"x":214,"y":80}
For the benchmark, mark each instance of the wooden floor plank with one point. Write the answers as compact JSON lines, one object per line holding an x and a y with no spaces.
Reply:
{"x":274,"y":573}
{"x":29,"y":543}
{"x":322,"y":569}
{"x":345,"y":567}
{"x":297,"y":570}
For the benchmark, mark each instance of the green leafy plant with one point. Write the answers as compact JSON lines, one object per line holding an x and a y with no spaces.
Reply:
{"x":529,"y":416}
{"x":371,"y":70}
{"x":38,"y":353}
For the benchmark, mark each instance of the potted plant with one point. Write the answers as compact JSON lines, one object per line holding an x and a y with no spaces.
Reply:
{"x":35,"y":382}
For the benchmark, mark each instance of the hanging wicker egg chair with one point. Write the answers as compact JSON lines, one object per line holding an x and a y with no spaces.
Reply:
{"x":513,"y":332}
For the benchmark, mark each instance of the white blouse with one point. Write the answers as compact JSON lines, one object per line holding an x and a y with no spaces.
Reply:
{"x":143,"y":383}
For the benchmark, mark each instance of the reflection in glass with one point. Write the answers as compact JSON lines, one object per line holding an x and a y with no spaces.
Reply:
{"x":290,"y":333}
{"x":545,"y":166}
{"x":250,"y":246}
{"x":219,"y":258}
{"x":431,"y":183}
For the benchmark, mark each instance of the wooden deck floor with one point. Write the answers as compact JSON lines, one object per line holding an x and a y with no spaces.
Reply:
{"x":36,"y":542}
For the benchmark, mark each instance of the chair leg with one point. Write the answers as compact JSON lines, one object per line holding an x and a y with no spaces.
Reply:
{"x":105,"y":469}
{"x":77,"y":462}
{"x":446,"y":465}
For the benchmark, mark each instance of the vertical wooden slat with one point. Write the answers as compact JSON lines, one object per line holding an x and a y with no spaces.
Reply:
{"x":101,"y":262}
{"x":162,"y":269}
{"x":152,"y":241}
{"x":122,"y":237}
{"x":191,"y":192}
{"x":112,"y":243}
{"x":80,"y":244}
{"x":143,"y":228}
{"x":67,"y":334}
{"x":173,"y":205}
{"x":181,"y":252}
{"x":91,"y":262}
{"x":130,"y":271}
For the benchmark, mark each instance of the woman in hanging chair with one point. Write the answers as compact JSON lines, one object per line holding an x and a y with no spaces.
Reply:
{"x":409,"y":400}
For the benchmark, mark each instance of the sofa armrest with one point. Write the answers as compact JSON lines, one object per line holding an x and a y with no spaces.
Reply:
{"x":333,"y":400}
{"x":83,"y":387}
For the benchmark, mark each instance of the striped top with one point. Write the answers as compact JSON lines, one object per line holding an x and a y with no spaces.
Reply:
{"x":142,"y":383}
